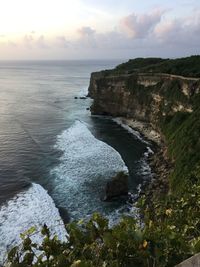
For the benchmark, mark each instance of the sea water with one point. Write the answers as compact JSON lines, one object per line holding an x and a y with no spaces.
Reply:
{"x":53,"y":153}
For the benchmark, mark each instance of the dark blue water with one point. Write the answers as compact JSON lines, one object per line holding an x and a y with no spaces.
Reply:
{"x":36,"y":105}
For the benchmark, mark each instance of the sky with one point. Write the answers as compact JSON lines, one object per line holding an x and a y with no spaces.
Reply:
{"x":104,"y":29}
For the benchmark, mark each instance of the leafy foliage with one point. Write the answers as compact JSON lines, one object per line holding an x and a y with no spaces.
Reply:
{"x":138,"y":63}
{"x":188,"y":66}
{"x":182,"y":132}
{"x":167,"y":232}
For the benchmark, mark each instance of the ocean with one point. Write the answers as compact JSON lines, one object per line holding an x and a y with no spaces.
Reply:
{"x":53,"y":153}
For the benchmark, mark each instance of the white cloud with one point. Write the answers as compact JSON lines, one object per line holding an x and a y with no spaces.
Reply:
{"x":86,"y":37}
{"x":152,"y":34}
{"x":86,"y":32}
{"x":28,"y":40}
{"x":141,"y":25}
{"x":62,"y":41}
{"x":184,"y":32}
{"x":41,"y":42}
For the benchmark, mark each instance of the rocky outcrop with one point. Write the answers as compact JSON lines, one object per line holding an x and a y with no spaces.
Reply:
{"x":117,"y":186}
{"x":143,"y":96}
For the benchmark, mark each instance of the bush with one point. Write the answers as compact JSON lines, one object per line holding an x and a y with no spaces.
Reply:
{"x":168,"y":233}
{"x":182,"y":136}
{"x":188,"y":66}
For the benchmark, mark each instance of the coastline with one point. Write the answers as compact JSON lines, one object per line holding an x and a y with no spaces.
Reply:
{"x":141,"y":128}
{"x":161,"y":166}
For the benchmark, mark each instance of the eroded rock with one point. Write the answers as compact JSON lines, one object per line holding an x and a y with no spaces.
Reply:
{"x":117,"y":186}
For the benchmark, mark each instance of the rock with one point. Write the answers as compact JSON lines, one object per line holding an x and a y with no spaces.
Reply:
{"x":81,"y":97}
{"x":64,"y":214}
{"x":138,"y":95}
{"x":117,"y":186}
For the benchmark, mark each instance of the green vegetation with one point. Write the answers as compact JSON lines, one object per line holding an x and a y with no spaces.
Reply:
{"x":142,"y":94}
{"x":139,"y":63}
{"x":182,"y":132}
{"x":189,"y":66}
{"x":168,"y":233}
{"x":172,"y":92}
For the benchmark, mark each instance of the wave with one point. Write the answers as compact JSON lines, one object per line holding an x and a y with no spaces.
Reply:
{"x":86,"y":165}
{"x":33,"y":207}
{"x":135,"y":133}
{"x":143,"y":167}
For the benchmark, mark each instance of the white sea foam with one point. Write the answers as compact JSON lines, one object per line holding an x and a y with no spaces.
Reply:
{"x":86,"y":165}
{"x":144,"y":167}
{"x":130,"y":130}
{"x":33,"y":207}
{"x":148,"y":152}
{"x":83,"y":92}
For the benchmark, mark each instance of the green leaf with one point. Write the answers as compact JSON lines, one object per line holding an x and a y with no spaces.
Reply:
{"x":27,"y":243}
{"x":28,"y":258}
{"x":45,"y":231}
{"x":12,"y":253}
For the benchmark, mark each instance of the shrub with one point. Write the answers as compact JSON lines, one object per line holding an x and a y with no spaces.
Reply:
{"x":168,"y":233}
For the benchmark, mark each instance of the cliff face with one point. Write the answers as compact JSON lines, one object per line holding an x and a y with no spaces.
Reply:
{"x":170,"y":104}
{"x":144,"y":96}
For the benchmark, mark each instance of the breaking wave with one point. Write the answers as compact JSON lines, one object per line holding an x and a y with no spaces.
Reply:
{"x":86,"y":165}
{"x":135,"y":133}
{"x":33,"y":207}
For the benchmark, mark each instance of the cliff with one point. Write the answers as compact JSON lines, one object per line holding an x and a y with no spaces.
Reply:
{"x":169,"y":103}
{"x":143,"y":96}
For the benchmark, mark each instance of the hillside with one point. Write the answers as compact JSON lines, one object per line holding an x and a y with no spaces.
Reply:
{"x":188,"y":67}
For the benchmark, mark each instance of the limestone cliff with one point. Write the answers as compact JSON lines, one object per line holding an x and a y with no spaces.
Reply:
{"x":144,"y":96}
{"x":169,"y":103}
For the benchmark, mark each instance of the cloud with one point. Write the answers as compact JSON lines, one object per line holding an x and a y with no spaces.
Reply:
{"x":152,"y":34}
{"x":180,"y":32}
{"x":87,"y":37}
{"x":86,"y":32}
{"x":41,"y":42}
{"x":32,"y":41}
{"x":28,"y":40}
{"x":62,"y":41}
{"x":141,"y":25}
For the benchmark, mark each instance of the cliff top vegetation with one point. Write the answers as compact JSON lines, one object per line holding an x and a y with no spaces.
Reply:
{"x":188,"y":66}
